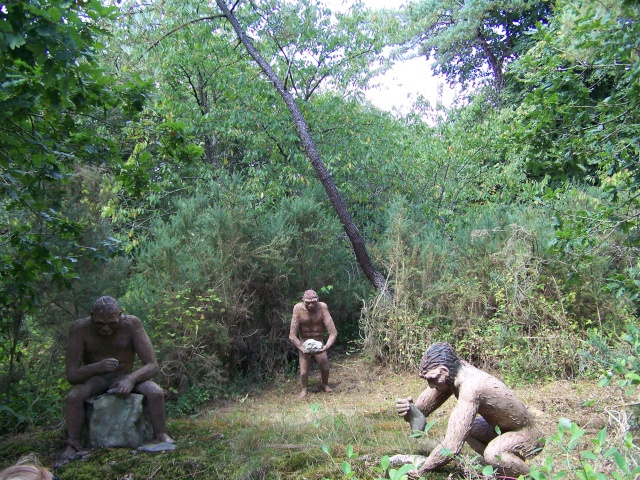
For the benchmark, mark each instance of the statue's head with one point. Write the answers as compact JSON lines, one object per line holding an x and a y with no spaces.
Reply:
{"x":310,"y":299}
{"x":106,"y":314}
{"x":440,"y":359}
{"x":26,"y":472}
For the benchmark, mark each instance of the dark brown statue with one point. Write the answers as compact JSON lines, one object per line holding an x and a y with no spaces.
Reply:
{"x":484,"y":403}
{"x":309,"y":321}
{"x":100,"y":355}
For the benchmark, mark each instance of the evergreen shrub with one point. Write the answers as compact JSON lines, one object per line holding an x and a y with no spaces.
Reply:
{"x":492,"y":288}
{"x":216,"y":283}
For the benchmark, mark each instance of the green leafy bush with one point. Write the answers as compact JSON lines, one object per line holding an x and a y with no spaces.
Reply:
{"x":490,"y":288}
{"x":216,"y":282}
{"x":599,"y":458}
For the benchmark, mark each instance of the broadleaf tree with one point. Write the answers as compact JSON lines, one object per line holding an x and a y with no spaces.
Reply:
{"x":245,"y":117}
{"x":53,"y":94}
{"x":577,"y":126}
{"x":357,"y":241}
{"x":473,"y":42}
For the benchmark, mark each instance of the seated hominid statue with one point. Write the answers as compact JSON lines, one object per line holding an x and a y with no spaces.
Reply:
{"x":487,"y":415}
{"x":100,"y":356}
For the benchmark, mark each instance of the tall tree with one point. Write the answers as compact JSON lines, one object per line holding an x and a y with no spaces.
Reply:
{"x":578,"y":125}
{"x":375,"y":277}
{"x":51,"y":91}
{"x":208,"y":80}
{"x":473,"y":41}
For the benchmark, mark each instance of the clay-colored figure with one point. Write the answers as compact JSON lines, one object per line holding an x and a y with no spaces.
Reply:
{"x":27,"y":468}
{"x":309,"y":321}
{"x":100,"y":354}
{"x":25,"y":472}
{"x":484,"y":403}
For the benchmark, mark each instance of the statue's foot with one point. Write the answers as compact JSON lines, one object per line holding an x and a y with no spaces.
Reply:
{"x":74,"y":451}
{"x":303,"y":393}
{"x":164,"y":438}
{"x":327,"y":388}
{"x":67,"y":453}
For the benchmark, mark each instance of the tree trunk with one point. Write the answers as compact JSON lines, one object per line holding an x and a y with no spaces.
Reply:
{"x":496,"y":67}
{"x":357,"y":242}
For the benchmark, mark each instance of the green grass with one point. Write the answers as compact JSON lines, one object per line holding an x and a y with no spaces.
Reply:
{"x":271,"y":434}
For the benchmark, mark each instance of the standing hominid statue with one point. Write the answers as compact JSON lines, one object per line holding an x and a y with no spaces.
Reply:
{"x":488,"y":415}
{"x":309,"y":321}
{"x":100,"y":354}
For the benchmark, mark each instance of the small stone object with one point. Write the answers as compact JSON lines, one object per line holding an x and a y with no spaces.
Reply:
{"x":311,"y":346}
{"x":416,"y":418}
{"x":157,"y":447}
{"x":416,"y":460}
{"x":117,"y":422}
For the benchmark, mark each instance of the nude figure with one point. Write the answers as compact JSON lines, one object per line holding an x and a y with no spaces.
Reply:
{"x":484,"y":403}
{"x":100,"y":354}
{"x":309,"y":321}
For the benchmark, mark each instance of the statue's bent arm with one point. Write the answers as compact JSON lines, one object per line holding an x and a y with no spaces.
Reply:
{"x":430,"y":400}
{"x":331,"y":328}
{"x":144,"y":349}
{"x":460,"y":423}
{"x":76,"y":372}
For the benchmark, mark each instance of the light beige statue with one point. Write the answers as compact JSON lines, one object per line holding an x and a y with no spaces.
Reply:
{"x":26,"y":472}
{"x":100,"y":357}
{"x":487,"y":415}
{"x":27,"y":468}
{"x":309,"y":321}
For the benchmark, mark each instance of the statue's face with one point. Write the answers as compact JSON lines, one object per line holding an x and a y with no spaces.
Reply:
{"x":310,"y":303}
{"x":106,"y":324}
{"x":437,"y":377}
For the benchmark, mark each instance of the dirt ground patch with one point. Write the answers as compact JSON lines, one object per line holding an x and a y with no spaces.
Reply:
{"x":269,"y":433}
{"x":360,"y":387}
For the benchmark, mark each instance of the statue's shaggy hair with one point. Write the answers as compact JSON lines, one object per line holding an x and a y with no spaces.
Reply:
{"x":106,"y":306}
{"x":310,"y":295}
{"x":441,"y":353}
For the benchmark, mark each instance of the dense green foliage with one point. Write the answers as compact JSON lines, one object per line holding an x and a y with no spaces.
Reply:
{"x":217,"y":283}
{"x":145,"y":156}
{"x":54,"y":103}
{"x":473,"y":42}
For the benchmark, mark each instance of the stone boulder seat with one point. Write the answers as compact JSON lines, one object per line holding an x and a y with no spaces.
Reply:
{"x":117,"y":422}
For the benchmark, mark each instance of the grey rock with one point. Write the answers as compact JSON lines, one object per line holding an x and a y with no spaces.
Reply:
{"x":311,"y":346}
{"x":417,"y":460}
{"x":416,"y":418}
{"x":117,"y":422}
{"x":157,"y":447}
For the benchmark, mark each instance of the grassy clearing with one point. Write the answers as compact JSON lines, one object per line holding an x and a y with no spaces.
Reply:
{"x":271,"y":434}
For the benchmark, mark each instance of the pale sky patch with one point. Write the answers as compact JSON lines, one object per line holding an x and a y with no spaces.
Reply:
{"x":406,"y":81}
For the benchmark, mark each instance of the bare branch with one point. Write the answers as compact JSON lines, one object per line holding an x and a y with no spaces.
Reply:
{"x":184,"y":25}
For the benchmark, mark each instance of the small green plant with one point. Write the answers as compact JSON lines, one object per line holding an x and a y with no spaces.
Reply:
{"x":346,"y":465}
{"x":401,"y":473}
{"x":314,"y":409}
{"x":601,"y":460}
{"x":384,"y":469}
{"x":326,"y":290}
{"x":626,"y":367}
{"x":422,"y":433}
{"x":190,"y":400}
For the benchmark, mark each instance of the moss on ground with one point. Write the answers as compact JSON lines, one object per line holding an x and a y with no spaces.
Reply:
{"x":272,"y":434}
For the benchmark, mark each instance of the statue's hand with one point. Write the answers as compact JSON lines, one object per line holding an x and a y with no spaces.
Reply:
{"x":123,"y":387}
{"x":414,"y":475}
{"x":402,"y":405}
{"x":109,"y":364}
